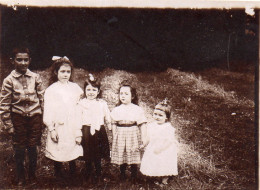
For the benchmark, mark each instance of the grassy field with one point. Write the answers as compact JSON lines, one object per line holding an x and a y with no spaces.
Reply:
{"x":213,"y":112}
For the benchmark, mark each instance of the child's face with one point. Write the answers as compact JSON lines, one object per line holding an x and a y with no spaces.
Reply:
{"x":91,"y":92}
{"x":21,"y":62}
{"x":125,"y":95}
{"x":64,"y":73}
{"x":159,"y":116}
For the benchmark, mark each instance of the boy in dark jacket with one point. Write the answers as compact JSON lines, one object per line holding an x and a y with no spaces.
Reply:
{"x":21,"y":103}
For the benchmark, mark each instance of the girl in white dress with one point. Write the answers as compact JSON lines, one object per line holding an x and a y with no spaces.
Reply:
{"x":95,"y":115}
{"x":128,"y":118}
{"x":160,"y":156}
{"x":62,"y":118}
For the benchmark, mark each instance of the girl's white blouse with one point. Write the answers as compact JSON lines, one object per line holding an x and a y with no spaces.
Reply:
{"x":129,"y":112}
{"x":94,"y":113}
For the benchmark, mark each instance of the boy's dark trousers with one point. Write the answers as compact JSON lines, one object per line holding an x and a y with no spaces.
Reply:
{"x":19,"y":160}
{"x":27,"y":135}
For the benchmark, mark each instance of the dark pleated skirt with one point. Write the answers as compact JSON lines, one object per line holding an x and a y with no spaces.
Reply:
{"x":95,"y":146}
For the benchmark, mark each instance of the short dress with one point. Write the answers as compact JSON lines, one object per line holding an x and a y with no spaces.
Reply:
{"x":95,"y":114}
{"x":127,"y":138}
{"x":164,"y":163}
{"x":62,"y":114}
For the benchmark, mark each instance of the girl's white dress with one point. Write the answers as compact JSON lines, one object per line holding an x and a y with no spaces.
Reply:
{"x":164,"y":163}
{"x":61,"y":113}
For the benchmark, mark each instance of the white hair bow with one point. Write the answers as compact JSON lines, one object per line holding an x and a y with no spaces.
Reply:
{"x":165,"y":101}
{"x":55,"y":58}
{"x":91,"y":77}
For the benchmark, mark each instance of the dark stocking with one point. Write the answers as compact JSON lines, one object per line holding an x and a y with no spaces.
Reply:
{"x":32,"y":153}
{"x":19,"y":160}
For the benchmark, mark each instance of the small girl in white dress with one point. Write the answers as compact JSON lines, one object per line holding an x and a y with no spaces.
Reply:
{"x":160,"y":156}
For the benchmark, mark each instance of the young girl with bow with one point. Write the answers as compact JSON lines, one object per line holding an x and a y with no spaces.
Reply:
{"x":95,"y":115}
{"x":61,"y":117}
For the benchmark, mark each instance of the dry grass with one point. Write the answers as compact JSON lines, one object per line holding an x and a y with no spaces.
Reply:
{"x":204,"y":88}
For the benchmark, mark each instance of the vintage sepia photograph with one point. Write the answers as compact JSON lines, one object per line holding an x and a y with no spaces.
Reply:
{"x":129,"y":97}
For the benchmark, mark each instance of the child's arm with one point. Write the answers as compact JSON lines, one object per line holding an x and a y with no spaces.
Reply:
{"x":141,"y":121}
{"x":144,"y":137}
{"x":79,"y":119}
{"x":107,"y":117}
{"x":39,"y":89}
{"x":164,"y":145}
{"x":5,"y":105}
{"x":114,"y":118}
{"x":49,"y":110}
{"x":114,"y":128}
{"x":168,"y":139}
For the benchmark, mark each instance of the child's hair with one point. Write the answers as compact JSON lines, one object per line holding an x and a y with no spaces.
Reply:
{"x":93,"y":81}
{"x":56,"y":66}
{"x":165,"y":107}
{"x":20,"y":50}
{"x":134,"y":100}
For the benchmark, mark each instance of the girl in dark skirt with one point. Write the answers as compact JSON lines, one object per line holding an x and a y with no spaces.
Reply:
{"x":95,"y":114}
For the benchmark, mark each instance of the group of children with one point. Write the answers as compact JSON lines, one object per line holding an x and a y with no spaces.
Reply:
{"x":76,"y":121}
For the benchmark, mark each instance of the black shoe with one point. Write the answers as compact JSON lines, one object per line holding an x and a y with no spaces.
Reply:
{"x":59,"y":176}
{"x":20,"y":182}
{"x":134,"y":180}
{"x":32,"y":180}
{"x":99,"y":180}
{"x":88,"y":181}
{"x":122,"y":177}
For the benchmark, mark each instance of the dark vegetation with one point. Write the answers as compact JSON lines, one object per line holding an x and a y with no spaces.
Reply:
{"x":132,"y":39}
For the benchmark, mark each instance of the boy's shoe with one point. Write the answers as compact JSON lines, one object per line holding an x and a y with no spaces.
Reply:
{"x":20,"y":182}
{"x":32,"y":180}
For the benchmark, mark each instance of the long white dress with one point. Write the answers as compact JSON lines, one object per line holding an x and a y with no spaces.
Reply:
{"x":164,"y":163}
{"x":62,"y":114}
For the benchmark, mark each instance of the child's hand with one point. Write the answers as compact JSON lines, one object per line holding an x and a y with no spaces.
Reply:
{"x":54,"y":136}
{"x":141,"y":147}
{"x":133,"y":149}
{"x":114,"y":133}
{"x":78,"y":140}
